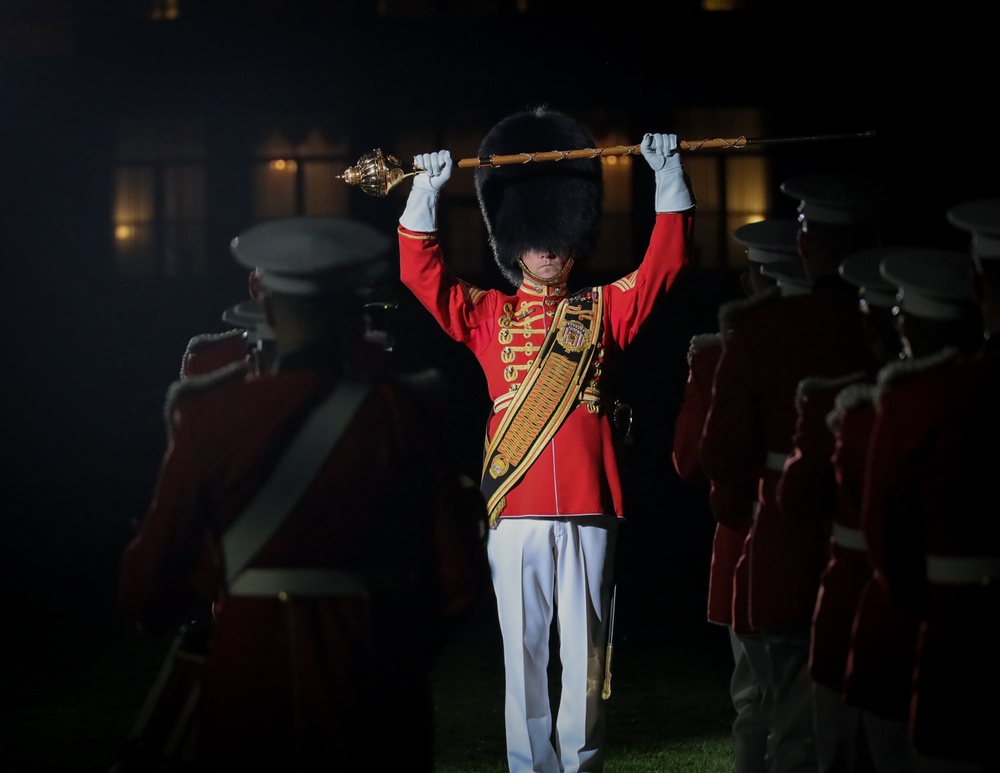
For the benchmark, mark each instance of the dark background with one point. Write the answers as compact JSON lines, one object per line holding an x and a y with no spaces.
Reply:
{"x":89,"y":354}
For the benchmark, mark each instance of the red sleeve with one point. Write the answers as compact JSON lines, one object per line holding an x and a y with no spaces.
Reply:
{"x":690,"y":419}
{"x":732,"y":446}
{"x":463,"y":311}
{"x":806,"y":490}
{"x":630,"y":300}
{"x":157,"y":572}
{"x":895,"y":546}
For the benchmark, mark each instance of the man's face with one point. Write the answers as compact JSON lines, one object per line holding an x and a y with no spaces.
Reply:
{"x":544,"y":265}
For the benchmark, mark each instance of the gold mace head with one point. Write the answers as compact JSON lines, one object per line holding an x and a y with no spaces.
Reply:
{"x":376,"y":172}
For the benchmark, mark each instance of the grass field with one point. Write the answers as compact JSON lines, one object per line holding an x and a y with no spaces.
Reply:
{"x":79,"y":673}
{"x":668,"y":709}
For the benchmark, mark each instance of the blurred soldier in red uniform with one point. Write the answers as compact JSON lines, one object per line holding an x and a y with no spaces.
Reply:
{"x":932,"y":464}
{"x":250,"y":341}
{"x":815,"y":485}
{"x":766,"y":241}
{"x":324,"y":642}
{"x":770,"y":343}
{"x":550,"y":472}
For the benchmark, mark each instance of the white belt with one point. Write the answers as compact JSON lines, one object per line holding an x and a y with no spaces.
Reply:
{"x":963,"y":570}
{"x":775,"y":461}
{"x":287,"y":583}
{"x":846,"y":537}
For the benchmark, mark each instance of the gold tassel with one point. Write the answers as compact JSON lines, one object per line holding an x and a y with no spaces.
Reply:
{"x":495,"y":512}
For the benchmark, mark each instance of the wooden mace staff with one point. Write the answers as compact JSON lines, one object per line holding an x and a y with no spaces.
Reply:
{"x":377,"y":172}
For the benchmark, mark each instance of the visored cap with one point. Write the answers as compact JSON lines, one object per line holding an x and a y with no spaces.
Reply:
{"x":932,"y":282}
{"x":982,"y":219}
{"x":836,"y":198}
{"x":769,"y":241}
{"x":310,"y":255}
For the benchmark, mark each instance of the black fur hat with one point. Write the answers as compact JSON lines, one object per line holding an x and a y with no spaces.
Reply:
{"x":551,"y":205}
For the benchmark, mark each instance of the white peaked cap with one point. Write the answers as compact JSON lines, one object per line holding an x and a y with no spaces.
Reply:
{"x":310,"y":255}
{"x":862,"y":269}
{"x":790,"y":276}
{"x":835,"y":198}
{"x":769,"y":241}
{"x":982,"y":219}
{"x":250,"y":316}
{"x":933,"y":283}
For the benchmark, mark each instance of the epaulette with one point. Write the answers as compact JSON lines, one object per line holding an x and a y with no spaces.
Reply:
{"x":471,"y":292}
{"x":203,"y":340}
{"x":898,"y":371}
{"x":702,"y":341}
{"x":851,"y":396}
{"x":812,"y":385}
{"x":192,"y":385}
{"x":730,"y":310}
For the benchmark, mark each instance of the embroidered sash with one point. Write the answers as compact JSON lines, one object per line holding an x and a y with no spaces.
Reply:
{"x":551,"y":389}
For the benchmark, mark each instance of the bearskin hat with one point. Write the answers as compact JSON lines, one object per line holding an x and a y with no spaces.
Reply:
{"x":552,"y":206}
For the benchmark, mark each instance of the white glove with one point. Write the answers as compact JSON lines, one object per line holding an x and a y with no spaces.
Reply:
{"x":420,"y":213}
{"x":672,"y":191}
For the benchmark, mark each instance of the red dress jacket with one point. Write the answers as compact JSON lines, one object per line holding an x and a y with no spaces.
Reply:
{"x":879,"y":667}
{"x":307,"y":681}
{"x":731,"y":506}
{"x":577,"y":472}
{"x":930,"y":517}
{"x":807,"y":495}
{"x":770,"y":343}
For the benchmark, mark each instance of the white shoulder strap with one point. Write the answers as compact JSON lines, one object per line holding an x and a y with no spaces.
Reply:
{"x":305,"y":456}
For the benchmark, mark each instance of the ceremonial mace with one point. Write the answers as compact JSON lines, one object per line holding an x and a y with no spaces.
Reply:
{"x":377,"y":173}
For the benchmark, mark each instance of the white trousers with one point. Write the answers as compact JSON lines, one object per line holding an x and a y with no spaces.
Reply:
{"x":792,"y":742}
{"x":752,"y":698}
{"x":837,"y":732}
{"x":547,"y":569}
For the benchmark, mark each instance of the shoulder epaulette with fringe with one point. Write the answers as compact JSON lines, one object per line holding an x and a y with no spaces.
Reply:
{"x":203,"y":340}
{"x":812,"y":385}
{"x":702,"y":341}
{"x":898,"y":371}
{"x":850,"y":397}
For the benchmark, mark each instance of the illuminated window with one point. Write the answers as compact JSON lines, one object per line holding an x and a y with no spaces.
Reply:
{"x":614,"y":252}
{"x":295,"y":169}
{"x":159,"y":199}
{"x":722,"y":5}
{"x":164,"y":10}
{"x":732,"y":186}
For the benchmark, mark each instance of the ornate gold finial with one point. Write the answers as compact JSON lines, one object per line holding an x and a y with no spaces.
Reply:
{"x":376,"y":172}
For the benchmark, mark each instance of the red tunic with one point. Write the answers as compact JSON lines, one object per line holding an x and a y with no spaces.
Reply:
{"x":876,"y":676}
{"x":807,"y":492}
{"x":577,"y":471}
{"x":770,"y":344}
{"x":930,"y":516}
{"x":311,"y":682}
{"x":731,"y":506}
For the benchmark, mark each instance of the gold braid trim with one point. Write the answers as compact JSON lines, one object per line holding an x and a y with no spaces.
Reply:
{"x":418,"y":237}
{"x":551,"y":390}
